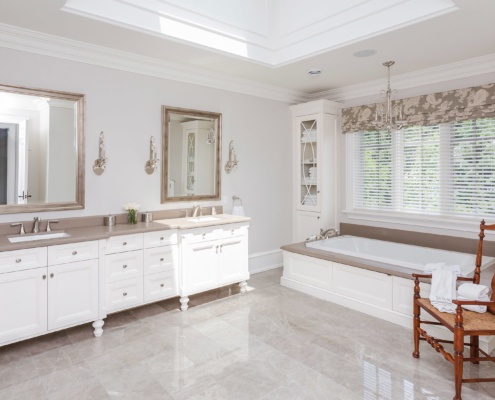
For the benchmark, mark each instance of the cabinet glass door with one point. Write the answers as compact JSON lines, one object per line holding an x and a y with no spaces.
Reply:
{"x":191,"y":154}
{"x":308,"y":198}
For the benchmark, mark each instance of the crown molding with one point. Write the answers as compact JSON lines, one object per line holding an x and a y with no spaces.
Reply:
{"x":16,"y":38}
{"x":443,"y":73}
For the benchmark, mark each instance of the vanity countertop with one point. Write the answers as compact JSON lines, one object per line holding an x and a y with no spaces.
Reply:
{"x":202,"y":221}
{"x":82,"y":234}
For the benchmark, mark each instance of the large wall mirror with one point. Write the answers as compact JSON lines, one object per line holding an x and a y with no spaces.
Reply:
{"x":192,"y":145}
{"x":41,"y":150}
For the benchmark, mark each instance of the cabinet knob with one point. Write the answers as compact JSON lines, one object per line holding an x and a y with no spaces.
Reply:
{"x":204,"y":235}
{"x":18,"y":260}
{"x":162,"y":285}
{"x":44,"y":277}
{"x":161,"y":259}
{"x":74,"y":253}
{"x":317,"y":217}
{"x":51,"y":275}
{"x":161,"y":238}
{"x":232,"y":232}
{"x":124,"y":294}
{"x":124,"y":244}
{"x":124,"y":266}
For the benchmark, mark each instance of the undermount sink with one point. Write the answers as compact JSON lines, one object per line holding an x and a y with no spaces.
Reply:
{"x":206,"y":218}
{"x":37,"y":236}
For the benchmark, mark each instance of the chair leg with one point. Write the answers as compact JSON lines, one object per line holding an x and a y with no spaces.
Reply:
{"x":416,"y":324}
{"x":474,"y":352}
{"x":458,"y":359}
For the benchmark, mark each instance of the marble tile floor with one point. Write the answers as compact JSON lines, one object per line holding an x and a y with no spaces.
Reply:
{"x":268,"y":344}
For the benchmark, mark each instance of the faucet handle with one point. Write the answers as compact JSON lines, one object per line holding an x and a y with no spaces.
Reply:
{"x":22,"y":232}
{"x":48,"y":228}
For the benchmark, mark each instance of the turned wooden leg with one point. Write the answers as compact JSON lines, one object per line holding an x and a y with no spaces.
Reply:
{"x":98,"y":325}
{"x":416,"y":320}
{"x":458,"y":353}
{"x":183,"y":303}
{"x":243,"y":286}
{"x":475,"y":343}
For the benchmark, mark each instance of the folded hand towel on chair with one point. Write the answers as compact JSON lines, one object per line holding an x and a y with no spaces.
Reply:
{"x":443,"y":285}
{"x":478,"y":309}
{"x":436,"y":266}
{"x":472,"y":291}
{"x":433,"y":266}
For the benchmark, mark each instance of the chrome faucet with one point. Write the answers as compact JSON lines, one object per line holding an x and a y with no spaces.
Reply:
{"x":196,"y":210}
{"x":36,"y":227}
{"x":328,"y":233}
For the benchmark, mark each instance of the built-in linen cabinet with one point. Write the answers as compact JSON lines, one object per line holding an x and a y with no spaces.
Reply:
{"x":212,"y":257}
{"x":315,"y":164}
{"x":140,"y":268}
{"x":47,"y":288}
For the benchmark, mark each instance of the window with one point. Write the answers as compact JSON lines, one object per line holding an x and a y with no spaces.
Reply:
{"x":445,"y":170}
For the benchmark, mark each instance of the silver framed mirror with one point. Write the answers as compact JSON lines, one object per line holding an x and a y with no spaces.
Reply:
{"x":192,"y":148}
{"x":41,"y":150}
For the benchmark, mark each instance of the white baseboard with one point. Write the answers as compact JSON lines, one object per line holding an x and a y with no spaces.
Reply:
{"x":265,"y":261}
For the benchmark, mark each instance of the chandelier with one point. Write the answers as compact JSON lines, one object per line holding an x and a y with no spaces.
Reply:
{"x":387,"y":115}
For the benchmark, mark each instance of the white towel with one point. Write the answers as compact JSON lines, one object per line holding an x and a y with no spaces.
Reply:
{"x":472,"y":291}
{"x":238,"y":210}
{"x":443,"y":285}
{"x":437,"y":266}
{"x":475,"y":308}
{"x":433,"y":266}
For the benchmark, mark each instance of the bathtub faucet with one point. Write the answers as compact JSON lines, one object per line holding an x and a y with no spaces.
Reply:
{"x":328,"y":233}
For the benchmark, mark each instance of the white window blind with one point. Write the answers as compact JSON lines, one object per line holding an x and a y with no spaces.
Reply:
{"x":447,"y":169}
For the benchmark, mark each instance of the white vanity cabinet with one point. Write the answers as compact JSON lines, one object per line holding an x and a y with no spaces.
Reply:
{"x":47,"y":288}
{"x":212,"y":257}
{"x":140,"y":268}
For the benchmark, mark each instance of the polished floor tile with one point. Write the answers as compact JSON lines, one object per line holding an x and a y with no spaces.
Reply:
{"x":268,"y":344}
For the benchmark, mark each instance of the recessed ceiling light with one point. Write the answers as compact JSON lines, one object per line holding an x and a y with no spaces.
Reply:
{"x":314,"y":71}
{"x":364,"y":53}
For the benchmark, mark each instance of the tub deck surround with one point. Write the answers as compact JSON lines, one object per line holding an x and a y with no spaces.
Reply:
{"x":375,"y":288}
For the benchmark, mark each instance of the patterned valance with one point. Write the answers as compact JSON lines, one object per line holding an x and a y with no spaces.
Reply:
{"x":430,"y":109}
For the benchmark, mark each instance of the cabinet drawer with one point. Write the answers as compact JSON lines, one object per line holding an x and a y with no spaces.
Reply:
{"x":19,"y":260}
{"x":118,"y":244}
{"x":160,"y":286}
{"x":123,"y":294}
{"x":72,"y":252}
{"x":160,"y":238}
{"x":232,"y":231}
{"x":121,"y":266}
{"x":160,"y":259}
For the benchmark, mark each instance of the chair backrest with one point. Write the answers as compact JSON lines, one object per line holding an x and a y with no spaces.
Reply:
{"x":479,"y":256}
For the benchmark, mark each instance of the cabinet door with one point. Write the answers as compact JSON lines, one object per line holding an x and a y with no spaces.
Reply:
{"x":233,"y":260}
{"x":200,"y":269}
{"x":72,"y":293}
{"x":22,"y":304}
{"x":306,"y":224}
{"x":307,"y":138}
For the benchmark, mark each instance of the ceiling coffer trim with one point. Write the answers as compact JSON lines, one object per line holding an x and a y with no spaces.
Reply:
{"x":431,"y":109}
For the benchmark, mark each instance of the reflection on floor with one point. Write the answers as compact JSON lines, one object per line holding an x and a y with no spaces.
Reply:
{"x":271,"y":343}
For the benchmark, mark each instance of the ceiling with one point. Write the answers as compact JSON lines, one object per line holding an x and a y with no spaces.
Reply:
{"x":451,"y":32}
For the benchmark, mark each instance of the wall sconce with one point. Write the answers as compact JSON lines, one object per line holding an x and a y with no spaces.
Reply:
{"x":101,"y":162}
{"x":232,"y":163}
{"x":152,"y":163}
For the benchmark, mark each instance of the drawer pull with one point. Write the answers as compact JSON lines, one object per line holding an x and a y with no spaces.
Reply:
{"x":124,"y":266}
{"x":44,"y":277}
{"x":161,"y":238}
{"x":232,"y":232}
{"x":162,"y":285}
{"x":18,"y":260}
{"x":124,"y":294}
{"x":124,"y":244}
{"x":161,"y":259}
{"x":204,"y":235}
{"x":74,"y":253}
{"x":51,"y":275}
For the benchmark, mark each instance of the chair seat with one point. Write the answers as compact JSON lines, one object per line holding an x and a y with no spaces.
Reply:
{"x":472,"y":321}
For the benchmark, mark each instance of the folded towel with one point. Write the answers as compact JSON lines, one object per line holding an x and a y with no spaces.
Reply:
{"x":433,"y":266}
{"x":473,"y":292}
{"x":475,"y":308}
{"x":443,"y":285}
{"x":437,"y":266}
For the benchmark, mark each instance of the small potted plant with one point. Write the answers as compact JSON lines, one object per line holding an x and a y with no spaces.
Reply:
{"x":132,"y":209}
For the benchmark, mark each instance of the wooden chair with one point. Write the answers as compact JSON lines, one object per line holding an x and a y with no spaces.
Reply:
{"x":463,"y":323}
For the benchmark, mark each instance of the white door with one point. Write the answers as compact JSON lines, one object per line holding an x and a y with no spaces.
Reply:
{"x":23,"y":304}
{"x":72,"y":293}
{"x":201,"y":272}
{"x":306,"y":224}
{"x":232,"y":261}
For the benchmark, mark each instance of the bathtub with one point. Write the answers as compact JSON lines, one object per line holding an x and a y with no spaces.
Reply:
{"x":403,"y":255}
